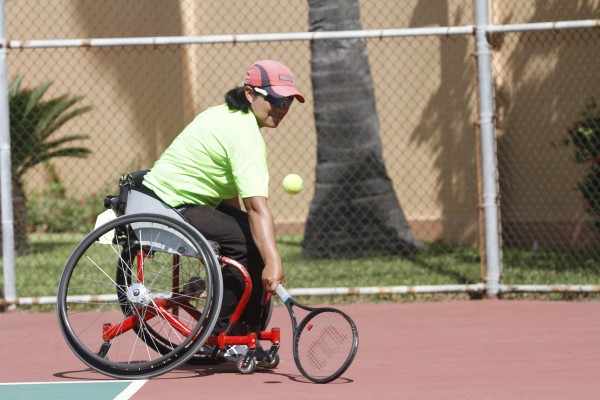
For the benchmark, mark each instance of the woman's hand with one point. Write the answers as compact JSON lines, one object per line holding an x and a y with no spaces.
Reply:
{"x":272,"y":276}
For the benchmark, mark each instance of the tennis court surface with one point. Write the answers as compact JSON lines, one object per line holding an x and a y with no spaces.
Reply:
{"x":487,"y":349}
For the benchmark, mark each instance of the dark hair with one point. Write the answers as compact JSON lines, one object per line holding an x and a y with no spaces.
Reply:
{"x":236,"y":100}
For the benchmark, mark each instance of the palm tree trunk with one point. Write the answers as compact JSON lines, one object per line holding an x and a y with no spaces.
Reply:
{"x":22,"y":245}
{"x":355,"y":210}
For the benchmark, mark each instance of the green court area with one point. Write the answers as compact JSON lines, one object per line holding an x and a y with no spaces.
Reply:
{"x":93,"y":390}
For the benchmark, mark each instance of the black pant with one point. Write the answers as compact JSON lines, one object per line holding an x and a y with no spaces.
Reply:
{"x":230,"y":228}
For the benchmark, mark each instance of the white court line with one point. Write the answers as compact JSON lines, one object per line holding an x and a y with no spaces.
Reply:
{"x":133,"y":387}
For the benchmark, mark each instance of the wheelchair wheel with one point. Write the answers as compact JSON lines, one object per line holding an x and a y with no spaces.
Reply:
{"x":139,"y":296}
{"x":267,"y":312}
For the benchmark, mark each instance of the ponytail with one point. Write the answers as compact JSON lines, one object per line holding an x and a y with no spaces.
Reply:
{"x":236,"y":100}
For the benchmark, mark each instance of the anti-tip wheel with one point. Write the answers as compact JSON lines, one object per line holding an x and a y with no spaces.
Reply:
{"x":249,"y":369}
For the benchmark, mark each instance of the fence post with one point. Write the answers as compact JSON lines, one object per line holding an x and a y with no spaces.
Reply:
{"x":8,"y":240}
{"x":488,"y":150}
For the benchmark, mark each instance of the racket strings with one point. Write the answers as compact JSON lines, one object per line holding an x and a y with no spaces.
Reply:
{"x":325,"y":344}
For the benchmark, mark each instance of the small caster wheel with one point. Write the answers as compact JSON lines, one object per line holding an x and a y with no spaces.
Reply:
{"x":249,"y":369}
{"x":270,"y":365}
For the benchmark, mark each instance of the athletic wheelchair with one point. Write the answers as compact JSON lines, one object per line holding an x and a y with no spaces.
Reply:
{"x":141,"y":294}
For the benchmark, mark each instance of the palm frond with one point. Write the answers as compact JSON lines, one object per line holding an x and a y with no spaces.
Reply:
{"x":77,"y":152}
{"x":15,"y":86}
{"x":67,"y":139}
{"x":34,"y":98}
{"x":63,"y":119}
{"x":52,"y":109}
{"x":33,"y":121}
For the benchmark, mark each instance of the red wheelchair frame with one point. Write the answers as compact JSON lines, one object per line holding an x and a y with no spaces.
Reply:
{"x":168,"y":309}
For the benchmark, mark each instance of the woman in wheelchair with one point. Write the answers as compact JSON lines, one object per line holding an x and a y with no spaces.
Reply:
{"x":220,"y":158}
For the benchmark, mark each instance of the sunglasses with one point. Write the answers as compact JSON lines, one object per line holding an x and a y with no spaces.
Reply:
{"x":276,"y":101}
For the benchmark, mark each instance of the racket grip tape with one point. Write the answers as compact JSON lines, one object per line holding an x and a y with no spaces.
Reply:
{"x":283,"y":294}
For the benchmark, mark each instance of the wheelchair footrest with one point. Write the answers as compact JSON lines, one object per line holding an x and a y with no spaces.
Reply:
{"x":246,"y":349}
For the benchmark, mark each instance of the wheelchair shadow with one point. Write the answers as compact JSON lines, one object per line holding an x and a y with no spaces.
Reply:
{"x":231,"y":368}
{"x":183,"y":372}
{"x":199,"y":370}
{"x":87,"y":374}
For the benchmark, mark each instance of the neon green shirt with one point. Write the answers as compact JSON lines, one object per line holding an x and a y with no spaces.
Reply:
{"x":221,"y":154}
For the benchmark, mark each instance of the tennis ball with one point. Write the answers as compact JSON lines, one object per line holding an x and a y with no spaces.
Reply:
{"x":293,"y":184}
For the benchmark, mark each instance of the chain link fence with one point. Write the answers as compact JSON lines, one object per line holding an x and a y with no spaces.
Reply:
{"x":544,"y":81}
{"x":425,"y":91}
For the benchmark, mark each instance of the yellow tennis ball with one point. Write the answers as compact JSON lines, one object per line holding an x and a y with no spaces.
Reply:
{"x":293,"y":184}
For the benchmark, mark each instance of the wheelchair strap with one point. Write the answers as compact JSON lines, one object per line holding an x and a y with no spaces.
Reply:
{"x":125,"y":185}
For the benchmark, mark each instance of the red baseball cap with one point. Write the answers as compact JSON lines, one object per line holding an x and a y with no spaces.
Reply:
{"x":274,"y":77}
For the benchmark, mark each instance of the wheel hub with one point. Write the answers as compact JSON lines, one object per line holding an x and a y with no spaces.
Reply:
{"x":138,"y":294}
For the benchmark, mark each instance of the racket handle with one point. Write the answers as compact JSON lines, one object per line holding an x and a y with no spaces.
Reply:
{"x":282,"y":293}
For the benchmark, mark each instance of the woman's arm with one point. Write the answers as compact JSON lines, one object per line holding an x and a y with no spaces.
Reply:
{"x":262,"y":227}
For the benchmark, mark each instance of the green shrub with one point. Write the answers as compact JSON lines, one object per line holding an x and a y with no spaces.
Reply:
{"x":585,"y":135}
{"x":48,"y":214}
{"x":51,"y":210}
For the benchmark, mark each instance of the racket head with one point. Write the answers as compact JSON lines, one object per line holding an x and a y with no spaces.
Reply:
{"x":325,"y":344}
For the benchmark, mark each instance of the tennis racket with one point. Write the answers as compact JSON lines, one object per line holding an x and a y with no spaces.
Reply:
{"x":324,"y":342}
